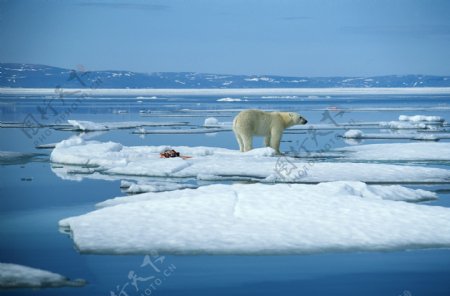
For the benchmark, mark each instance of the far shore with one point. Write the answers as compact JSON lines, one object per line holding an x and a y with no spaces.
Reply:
{"x":149,"y":92}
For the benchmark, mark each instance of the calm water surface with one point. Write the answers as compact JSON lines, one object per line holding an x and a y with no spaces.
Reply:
{"x":34,"y":199}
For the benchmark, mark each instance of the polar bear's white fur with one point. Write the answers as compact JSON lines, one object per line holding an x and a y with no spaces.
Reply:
{"x":271,"y":125}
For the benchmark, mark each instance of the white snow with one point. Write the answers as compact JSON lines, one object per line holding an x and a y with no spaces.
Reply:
{"x":358,"y":134}
{"x":403,"y":125}
{"x":19,"y":276}
{"x":420,"y":118}
{"x":214,"y":122}
{"x":102,"y":126}
{"x":229,"y":100}
{"x":262,"y":219}
{"x":211,"y":121}
{"x":415,"y":122}
{"x":387,"y":192}
{"x":353,"y":134}
{"x":87,"y":125}
{"x":261,"y":163}
{"x":398,"y":151}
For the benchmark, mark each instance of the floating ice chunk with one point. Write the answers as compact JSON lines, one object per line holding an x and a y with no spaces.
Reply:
{"x":211,"y":121}
{"x":214,"y":122}
{"x":357,"y":134}
{"x":229,"y":100}
{"x":261,"y":219}
{"x":113,"y":158}
{"x":19,"y":276}
{"x":420,"y":118}
{"x":125,"y":184}
{"x":403,"y":125}
{"x":353,"y":134}
{"x":87,"y":125}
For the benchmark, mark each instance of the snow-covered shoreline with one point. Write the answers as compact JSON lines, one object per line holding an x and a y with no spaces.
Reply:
{"x":110,"y":92}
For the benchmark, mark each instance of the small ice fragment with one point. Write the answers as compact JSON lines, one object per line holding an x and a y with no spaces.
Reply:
{"x":355,"y":134}
{"x":211,"y":121}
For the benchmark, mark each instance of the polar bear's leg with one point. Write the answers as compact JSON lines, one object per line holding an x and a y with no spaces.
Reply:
{"x":267,"y":141}
{"x":240,"y":142}
{"x":275,"y":139}
{"x":248,"y":142}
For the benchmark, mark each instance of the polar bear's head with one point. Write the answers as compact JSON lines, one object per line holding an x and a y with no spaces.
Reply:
{"x":297,"y":119}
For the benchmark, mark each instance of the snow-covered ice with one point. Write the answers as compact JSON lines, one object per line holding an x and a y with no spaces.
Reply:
{"x":214,"y":122}
{"x":386,"y":192}
{"x":19,"y":276}
{"x":229,"y":100}
{"x":398,"y":151}
{"x":261,"y":164}
{"x":415,"y":122}
{"x":211,"y":121}
{"x":420,"y":118}
{"x":353,"y":134}
{"x":403,"y":125}
{"x":262,"y":219}
{"x":358,"y":134}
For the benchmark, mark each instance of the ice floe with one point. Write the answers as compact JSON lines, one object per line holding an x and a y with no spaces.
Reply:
{"x":415,"y":122}
{"x":403,"y":125}
{"x":420,"y":118}
{"x":214,"y":122}
{"x":262,"y":219}
{"x":261,"y":164}
{"x":19,"y":276}
{"x":358,"y":134}
{"x":102,"y":126}
{"x":229,"y":100}
{"x":387,"y":192}
{"x":398,"y":152}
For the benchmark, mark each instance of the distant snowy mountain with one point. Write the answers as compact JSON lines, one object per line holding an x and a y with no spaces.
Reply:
{"x":40,"y":76}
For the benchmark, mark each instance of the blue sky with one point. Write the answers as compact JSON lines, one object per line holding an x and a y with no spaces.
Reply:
{"x":301,"y":38}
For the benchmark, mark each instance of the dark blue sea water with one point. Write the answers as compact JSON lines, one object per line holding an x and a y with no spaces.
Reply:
{"x":34,"y":199}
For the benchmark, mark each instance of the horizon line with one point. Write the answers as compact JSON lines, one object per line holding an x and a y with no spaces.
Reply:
{"x":130,"y":92}
{"x":218,"y":73}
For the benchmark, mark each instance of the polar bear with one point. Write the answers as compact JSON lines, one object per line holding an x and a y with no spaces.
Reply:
{"x":249,"y":123}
